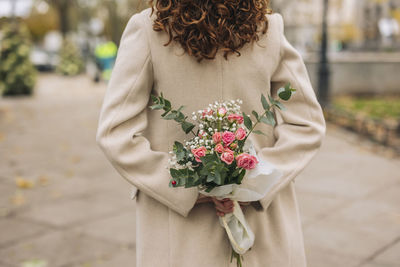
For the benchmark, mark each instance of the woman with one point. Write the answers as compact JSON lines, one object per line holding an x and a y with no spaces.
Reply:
{"x":197,"y":52}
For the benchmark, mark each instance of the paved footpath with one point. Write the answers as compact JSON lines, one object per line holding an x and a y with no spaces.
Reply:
{"x":62,"y":203}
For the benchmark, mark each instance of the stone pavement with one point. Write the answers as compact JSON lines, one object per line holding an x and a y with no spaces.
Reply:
{"x":62,"y":203}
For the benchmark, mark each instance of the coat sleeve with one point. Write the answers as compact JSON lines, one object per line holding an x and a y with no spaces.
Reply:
{"x":123,"y":118}
{"x":300,"y":128}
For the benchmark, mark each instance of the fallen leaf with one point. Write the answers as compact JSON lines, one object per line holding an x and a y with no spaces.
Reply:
{"x":17,"y":150}
{"x":64,"y":147}
{"x":2,"y":136}
{"x":69,"y":173}
{"x":4,"y":212}
{"x":23,"y":183}
{"x":75,"y":159}
{"x":55,"y":194}
{"x":43,"y":180}
{"x":18,"y":199}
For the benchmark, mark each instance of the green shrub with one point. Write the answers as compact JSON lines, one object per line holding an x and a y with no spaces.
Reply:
{"x":71,"y":62}
{"x":17,"y":73}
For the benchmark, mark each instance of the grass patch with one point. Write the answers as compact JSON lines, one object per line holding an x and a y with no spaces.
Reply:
{"x":378,"y":107}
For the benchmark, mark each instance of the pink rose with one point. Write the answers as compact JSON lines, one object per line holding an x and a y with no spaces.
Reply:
{"x":219,"y":148}
{"x":207,"y":112}
{"x":228,"y":137}
{"x":227,"y":149}
{"x":199,"y":152}
{"x":246,"y":161}
{"x":221,"y":111}
{"x":227,"y":157}
{"x":240,"y":134}
{"x":235,"y":117}
{"x":217,"y":137}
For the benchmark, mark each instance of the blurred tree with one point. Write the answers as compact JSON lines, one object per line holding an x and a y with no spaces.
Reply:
{"x":116,"y":15}
{"x":64,"y":8}
{"x":40,"y":23}
{"x":17,"y":74}
{"x":71,"y":62}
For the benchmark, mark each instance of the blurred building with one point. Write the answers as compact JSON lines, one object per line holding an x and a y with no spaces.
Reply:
{"x":353,"y":24}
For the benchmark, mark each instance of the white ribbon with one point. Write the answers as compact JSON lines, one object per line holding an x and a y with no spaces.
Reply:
{"x":255,"y":185}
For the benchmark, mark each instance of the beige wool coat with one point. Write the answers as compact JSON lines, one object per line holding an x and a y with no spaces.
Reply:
{"x":171,"y":230}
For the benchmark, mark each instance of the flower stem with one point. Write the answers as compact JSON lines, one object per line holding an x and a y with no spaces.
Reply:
{"x":254,"y":126}
{"x":238,"y":258}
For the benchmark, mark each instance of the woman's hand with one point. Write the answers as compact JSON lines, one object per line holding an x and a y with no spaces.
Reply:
{"x":203,"y":199}
{"x":226,"y":205}
{"x":223,"y":206}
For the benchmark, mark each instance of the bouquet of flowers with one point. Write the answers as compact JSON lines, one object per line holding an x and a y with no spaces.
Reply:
{"x":220,"y":159}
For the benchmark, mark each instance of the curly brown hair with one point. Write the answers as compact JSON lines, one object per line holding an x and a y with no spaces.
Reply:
{"x":202,"y":27}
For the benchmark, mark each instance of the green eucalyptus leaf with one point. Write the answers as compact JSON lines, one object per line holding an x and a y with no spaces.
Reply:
{"x":180,"y":108}
{"x":268,"y":118}
{"x":181,"y":182}
{"x":170,"y":116}
{"x":218,"y":178}
{"x":264,"y":102}
{"x":247,"y":121}
{"x":179,"y":150}
{"x":241,"y":175}
{"x":167,"y":104}
{"x":284,"y":94}
{"x":279,"y":105}
{"x":213,"y":158}
{"x":174,"y":173}
{"x":255,"y":114}
{"x":178,"y":146}
{"x":156,"y":107}
{"x":180,"y":116}
{"x":210,"y":178}
{"x":187,"y":126}
{"x":236,"y":172}
{"x":189,"y":182}
{"x":271,"y":100}
{"x":165,"y":113}
{"x":195,"y":177}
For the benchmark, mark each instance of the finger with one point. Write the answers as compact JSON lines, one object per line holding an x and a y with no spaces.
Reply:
{"x":221,"y":207}
{"x":224,"y":209}
{"x":228,"y":203}
{"x":217,"y":203}
{"x":220,"y":214}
